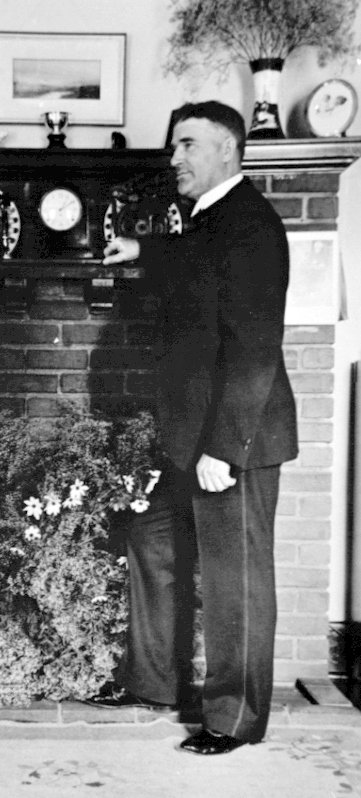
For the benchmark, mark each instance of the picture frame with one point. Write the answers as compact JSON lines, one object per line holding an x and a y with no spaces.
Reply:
{"x":80,"y":74}
{"x":314,"y":291}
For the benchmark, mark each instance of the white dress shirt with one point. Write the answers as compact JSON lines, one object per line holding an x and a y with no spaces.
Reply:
{"x":216,"y":193}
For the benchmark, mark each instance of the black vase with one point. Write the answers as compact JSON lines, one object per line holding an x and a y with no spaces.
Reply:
{"x":265,"y":121}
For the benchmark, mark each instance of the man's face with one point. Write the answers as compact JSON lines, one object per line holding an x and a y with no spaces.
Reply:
{"x":198,"y":156}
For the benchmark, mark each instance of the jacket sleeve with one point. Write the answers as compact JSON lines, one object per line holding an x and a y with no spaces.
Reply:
{"x":251,"y":303}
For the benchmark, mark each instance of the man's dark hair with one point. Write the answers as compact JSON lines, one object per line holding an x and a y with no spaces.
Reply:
{"x":219,"y":114}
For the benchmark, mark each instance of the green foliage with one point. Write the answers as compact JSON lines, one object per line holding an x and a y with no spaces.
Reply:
{"x":63,"y":624}
{"x":77,"y":446}
{"x":219,"y":32}
{"x":63,"y":598}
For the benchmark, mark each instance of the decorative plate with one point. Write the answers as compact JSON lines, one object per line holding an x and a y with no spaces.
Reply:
{"x":14,"y":228}
{"x":331,"y":108}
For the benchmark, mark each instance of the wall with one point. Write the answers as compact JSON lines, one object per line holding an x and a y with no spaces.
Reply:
{"x":150,"y":96}
{"x":303,"y":521}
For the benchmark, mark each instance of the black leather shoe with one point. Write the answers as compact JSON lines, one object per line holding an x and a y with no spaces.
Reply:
{"x":207,"y":742}
{"x":120,"y":698}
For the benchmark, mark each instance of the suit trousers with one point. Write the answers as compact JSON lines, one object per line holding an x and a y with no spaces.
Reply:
{"x":231,"y":533}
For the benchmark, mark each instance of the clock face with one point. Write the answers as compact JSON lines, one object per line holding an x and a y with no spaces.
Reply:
{"x":60,"y":209}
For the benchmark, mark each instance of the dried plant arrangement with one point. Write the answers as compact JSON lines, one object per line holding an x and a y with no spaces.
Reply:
{"x":217,"y":33}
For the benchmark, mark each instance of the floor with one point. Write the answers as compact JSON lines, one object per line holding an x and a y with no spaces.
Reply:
{"x":312,"y":750}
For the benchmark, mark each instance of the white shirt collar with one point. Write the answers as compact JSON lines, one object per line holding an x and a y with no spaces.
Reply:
{"x":216,"y":193}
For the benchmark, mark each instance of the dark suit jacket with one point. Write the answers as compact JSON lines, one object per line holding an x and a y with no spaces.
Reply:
{"x":222,"y":386}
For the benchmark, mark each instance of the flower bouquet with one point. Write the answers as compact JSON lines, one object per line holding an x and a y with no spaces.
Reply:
{"x":217,"y":33}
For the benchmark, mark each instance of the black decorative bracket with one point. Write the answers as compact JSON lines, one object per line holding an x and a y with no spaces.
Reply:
{"x":99,"y":295}
{"x":16,"y":295}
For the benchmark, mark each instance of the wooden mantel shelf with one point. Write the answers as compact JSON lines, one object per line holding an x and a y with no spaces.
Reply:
{"x":328,"y":154}
{"x":80,"y":269}
{"x":280,"y":153}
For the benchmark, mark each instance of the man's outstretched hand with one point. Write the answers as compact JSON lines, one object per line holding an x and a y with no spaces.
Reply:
{"x":120,"y":250}
{"x":214,"y":475}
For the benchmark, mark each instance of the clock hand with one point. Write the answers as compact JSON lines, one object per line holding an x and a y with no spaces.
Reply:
{"x":65,"y":205}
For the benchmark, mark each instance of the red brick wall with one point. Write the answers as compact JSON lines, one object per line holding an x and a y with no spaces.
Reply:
{"x":306,"y":201}
{"x":304,"y":509}
{"x":60,"y":351}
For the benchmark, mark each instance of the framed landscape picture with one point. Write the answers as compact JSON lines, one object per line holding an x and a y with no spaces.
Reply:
{"x":81,"y":74}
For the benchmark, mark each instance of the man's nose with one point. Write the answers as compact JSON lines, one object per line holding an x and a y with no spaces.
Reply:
{"x":175,"y":159}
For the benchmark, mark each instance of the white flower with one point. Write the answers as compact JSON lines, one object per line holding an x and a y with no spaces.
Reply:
{"x":99,"y":599}
{"x":77,"y":493}
{"x":32,"y":533}
{"x":116,"y":506}
{"x":33,"y":507}
{"x":128,"y":482}
{"x":122,"y":561}
{"x":53,"y":504}
{"x":16,"y":550}
{"x":70,"y":503}
{"x":139,"y":505}
{"x":78,"y":490}
{"x":153,"y":481}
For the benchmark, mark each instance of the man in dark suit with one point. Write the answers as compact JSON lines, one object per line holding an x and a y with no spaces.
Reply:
{"x":227,"y":417}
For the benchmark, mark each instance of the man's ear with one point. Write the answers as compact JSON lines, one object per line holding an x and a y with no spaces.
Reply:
{"x":229,"y":148}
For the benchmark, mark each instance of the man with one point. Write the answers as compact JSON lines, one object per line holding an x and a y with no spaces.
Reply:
{"x":227,"y":417}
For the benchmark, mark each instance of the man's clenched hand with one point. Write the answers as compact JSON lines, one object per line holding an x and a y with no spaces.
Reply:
{"x":214,"y":475}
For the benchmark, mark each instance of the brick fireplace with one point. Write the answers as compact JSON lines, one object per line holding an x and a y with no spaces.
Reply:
{"x":58,"y":347}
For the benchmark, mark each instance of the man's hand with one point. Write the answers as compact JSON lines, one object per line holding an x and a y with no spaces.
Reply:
{"x":214,"y":475}
{"x":121,"y":249}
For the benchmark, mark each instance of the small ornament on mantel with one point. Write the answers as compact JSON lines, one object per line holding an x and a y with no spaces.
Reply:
{"x":331,"y":108}
{"x":118,"y":141}
{"x":217,"y":33}
{"x":265,"y":121}
{"x":56,"y":122}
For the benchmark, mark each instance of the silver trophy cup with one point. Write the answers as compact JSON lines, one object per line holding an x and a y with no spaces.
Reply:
{"x":56,"y":122}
